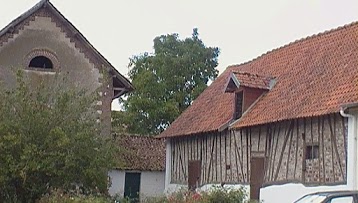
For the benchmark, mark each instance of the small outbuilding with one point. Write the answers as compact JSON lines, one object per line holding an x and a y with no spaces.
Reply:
{"x":140,"y":172}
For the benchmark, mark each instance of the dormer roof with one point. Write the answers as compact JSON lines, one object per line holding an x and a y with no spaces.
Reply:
{"x":239,"y":79}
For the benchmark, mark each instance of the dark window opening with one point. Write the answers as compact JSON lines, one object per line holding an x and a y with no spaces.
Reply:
{"x":312,"y":151}
{"x":41,"y":62}
{"x":238,"y":105}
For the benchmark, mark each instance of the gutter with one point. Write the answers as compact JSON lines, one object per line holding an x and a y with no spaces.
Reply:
{"x":355,"y":144}
{"x":344,"y":114}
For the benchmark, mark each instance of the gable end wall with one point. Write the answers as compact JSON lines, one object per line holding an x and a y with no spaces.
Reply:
{"x":45,"y":31}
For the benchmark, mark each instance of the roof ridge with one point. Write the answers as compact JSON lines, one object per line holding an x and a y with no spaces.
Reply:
{"x":132,"y":135}
{"x":250,"y":73}
{"x":295,"y":42}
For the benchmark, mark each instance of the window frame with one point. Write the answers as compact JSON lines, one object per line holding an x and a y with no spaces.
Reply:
{"x":238,"y":109}
{"x":312,"y":151}
{"x":45,"y":53}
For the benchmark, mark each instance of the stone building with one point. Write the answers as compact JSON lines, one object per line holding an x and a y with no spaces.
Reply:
{"x":43,"y":43}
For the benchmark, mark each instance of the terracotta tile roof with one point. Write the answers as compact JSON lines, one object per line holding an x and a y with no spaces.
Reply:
{"x":314,"y":76}
{"x":247,"y":79}
{"x":142,"y":153}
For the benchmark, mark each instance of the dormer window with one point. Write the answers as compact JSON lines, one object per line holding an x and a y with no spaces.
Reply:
{"x":41,"y":60}
{"x":248,"y":88}
{"x":238,"y":105}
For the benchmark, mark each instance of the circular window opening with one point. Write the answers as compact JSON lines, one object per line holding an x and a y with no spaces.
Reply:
{"x":41,"y":62}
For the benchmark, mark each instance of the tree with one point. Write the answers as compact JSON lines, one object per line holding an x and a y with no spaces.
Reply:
{"x":49,"y":140}
{"x":166,"y":82}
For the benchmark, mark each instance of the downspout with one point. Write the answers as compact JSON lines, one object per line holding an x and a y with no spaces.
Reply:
{"x":354,"y":150}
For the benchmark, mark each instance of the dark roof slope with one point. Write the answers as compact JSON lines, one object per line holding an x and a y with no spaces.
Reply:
{"x":314,"y":76}
{"x":17,"y":24}
{"x":140,"y":153}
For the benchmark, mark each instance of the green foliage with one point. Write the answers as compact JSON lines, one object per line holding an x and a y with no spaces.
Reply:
{"x":119,"y":122}
{"x":120,"y":199}
{"x":48,"y":139}
{"x":60,"y":197}
{"x":159,"y":199}
{"x":214,"y":195}
{"x":166,"y":82}
{"x":224,"y":195}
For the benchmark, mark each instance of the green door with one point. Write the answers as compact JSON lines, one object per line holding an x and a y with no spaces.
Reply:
{"x":131,"y":186}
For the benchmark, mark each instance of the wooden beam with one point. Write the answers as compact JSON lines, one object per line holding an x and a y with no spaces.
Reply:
{"x":287,"y":135}
{"x":296,"y":149}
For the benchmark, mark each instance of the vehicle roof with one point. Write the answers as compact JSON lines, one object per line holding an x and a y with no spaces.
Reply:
{"x":336,"y":193}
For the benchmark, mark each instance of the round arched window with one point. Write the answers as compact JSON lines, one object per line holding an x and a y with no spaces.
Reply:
{"x":41,"y":59}
{"x":41,"y":62}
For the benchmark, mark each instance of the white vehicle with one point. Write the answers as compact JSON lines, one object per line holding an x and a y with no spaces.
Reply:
{"x":330,"y":197}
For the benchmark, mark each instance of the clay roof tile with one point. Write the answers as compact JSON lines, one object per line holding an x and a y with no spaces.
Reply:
{"x":314,"y":76}
{"x":143,"y":153}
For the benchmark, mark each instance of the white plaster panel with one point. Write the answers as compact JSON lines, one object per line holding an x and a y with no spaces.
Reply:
{"x":117,"y":182}
{"x":152,"y":183}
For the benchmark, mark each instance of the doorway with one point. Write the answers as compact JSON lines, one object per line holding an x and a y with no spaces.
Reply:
{"x":194,"y":168}
{"x":256,"y":176}
{"x":132,"y":186}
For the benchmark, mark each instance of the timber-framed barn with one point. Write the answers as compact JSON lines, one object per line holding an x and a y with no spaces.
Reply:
{"x":283,"y":123}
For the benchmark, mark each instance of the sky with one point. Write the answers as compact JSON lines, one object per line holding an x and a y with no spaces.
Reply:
{"x":243,"y":30}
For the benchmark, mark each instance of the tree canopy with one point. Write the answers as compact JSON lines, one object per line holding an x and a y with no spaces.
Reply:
{"x":166,"y":82}
{"x":49,"y":140}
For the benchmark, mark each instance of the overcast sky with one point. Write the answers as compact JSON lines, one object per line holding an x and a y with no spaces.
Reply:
{"x":242,"y":30}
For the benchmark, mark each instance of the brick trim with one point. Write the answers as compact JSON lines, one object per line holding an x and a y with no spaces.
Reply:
{"x":42,"y":52}
{"x":73,"y":36}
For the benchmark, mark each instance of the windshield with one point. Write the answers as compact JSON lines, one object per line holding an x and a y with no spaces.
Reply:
{"x":311,"y":199}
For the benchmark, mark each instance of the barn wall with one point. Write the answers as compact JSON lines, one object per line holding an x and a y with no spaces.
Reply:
{"x":225,"y":156}
{"x":286,"y":151}
{"x":222,"y":156}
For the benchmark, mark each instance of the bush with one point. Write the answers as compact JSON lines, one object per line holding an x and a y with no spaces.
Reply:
{"x":59,"y":196}
{"x":160,"y":199}
{"x":219,"y":194}
{"x":49,"y":139}
{"x":216,"y":194}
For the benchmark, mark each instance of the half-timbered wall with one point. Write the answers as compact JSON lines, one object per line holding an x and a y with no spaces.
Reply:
{"x":225,"y":156}
{"x":286,"y":152}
